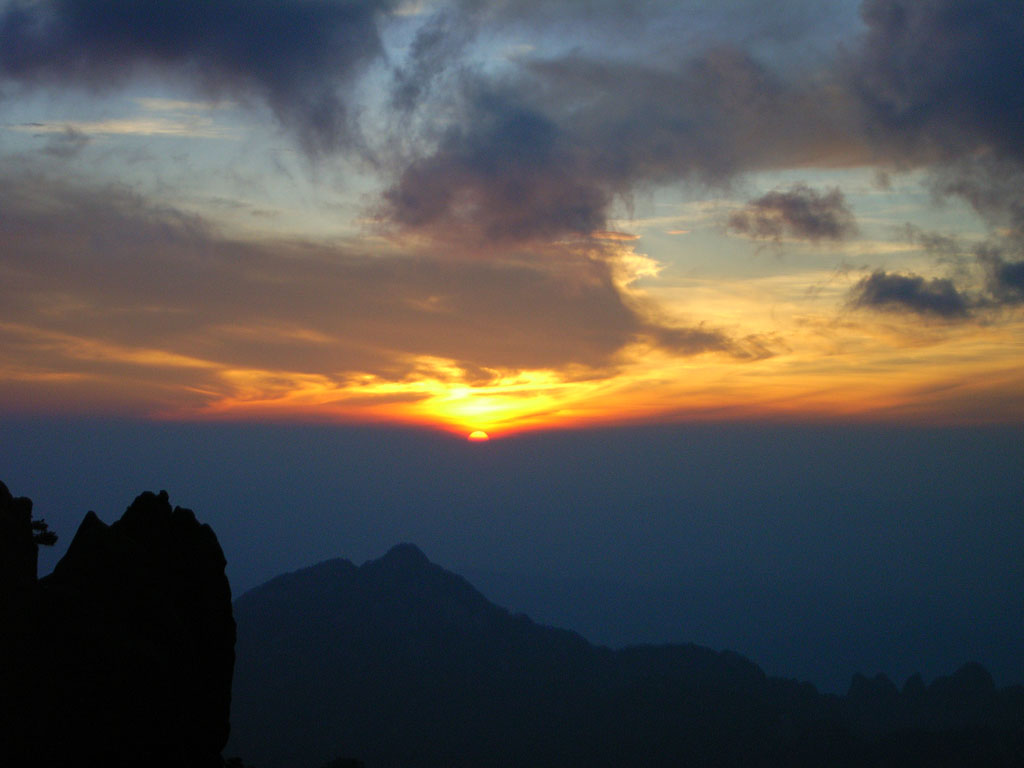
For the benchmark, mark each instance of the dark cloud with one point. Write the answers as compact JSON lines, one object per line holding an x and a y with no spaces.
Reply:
{"x":703,"y":119}
{"x":656,"y":29}
{"x":1001,"y":283}
{"x":929,"y":79}
{"x":295,"y":54}
{"x":800,"y":213}
{"x":1009,"y":278}
{"x":929,"y":83}
{"x":1005,"y":276}
{"x":887,"y":291}
{"x":545,"y":153}
{"x":505,"y":172}
{"x":980,"y":280}
{"x":942,"y":77}
{"x":938,"y":82}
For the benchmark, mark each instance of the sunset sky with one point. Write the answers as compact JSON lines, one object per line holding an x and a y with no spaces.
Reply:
{"x":512,"y":215}
{"x":736,"y":289}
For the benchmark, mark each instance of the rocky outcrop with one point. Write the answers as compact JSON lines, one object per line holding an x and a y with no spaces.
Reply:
{"x":18,"y":552}
{"x":124,"y":655}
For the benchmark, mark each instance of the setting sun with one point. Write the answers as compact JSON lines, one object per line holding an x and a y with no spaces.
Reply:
{"x":479,"y":436}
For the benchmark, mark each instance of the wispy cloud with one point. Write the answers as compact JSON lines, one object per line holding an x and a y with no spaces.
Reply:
{"x":180,"y":105}
{"x":197,"y":128}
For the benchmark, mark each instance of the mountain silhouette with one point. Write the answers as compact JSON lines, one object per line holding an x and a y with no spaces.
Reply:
{"x":402,"y":663}
{"x":123,"y":656}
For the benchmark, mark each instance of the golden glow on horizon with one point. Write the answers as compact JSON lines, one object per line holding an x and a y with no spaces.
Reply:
{"x":814,"y":364}
{"x":655,"y":386}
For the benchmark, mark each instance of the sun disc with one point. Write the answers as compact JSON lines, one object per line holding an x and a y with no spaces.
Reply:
{"x":479,"y":436}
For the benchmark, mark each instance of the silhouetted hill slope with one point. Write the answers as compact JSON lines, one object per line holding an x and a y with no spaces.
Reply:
{"x":123,"y":656}
{"x":401,"y":663}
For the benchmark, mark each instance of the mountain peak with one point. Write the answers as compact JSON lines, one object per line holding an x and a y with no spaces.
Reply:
{"x":405,"y":555}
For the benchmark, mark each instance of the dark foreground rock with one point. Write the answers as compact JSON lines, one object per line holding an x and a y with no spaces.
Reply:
{"x":124,"y":655}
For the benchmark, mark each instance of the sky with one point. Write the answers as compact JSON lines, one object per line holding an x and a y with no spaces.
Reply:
{"x":578,"y":222}
{"x":508,"y":216}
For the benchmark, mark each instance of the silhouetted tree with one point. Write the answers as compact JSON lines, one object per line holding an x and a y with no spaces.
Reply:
{"x":42,"y":535}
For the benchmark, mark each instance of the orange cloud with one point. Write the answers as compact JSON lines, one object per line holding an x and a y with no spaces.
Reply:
{"x":202,"y":326}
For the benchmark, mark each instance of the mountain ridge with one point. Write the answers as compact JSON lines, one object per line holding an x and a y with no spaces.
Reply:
{"x":401,"y":662}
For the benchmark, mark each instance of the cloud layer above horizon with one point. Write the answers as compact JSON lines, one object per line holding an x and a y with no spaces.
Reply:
{"x":504,"y":215}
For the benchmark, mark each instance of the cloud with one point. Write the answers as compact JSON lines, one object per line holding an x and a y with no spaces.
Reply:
{"x":800,"y":213}
{"x":178,"y":105}
{"x":295,"y":54}
{"x":66,"y":143}
{"x":698,"y":340}
{"x":524,"y":160}
{"x":990,"y":274}
{"x":505,"y":173}
{"x":437,"y":45}
{"x":937,"y":84}
{"x":926,"y":81}
{"x":690,"y":341}
{"x":702,"y":119}
{"x":1005,"y":277}
{"x":993,"y":186}
{"x":545,"y":150}
{"x":543,"y":154}
{"x":103,"y":284}
{"x":194,"y":127}
{"x":886,"y":291}
{"x":1009,"y":279}
{"x":939,"y":77}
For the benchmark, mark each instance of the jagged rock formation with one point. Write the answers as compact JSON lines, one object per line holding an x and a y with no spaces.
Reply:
{"x":124,"y":654}
{"x":401,"y":663}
